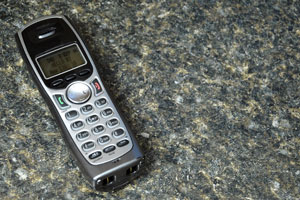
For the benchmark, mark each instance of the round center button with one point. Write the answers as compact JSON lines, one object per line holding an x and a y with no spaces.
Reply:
{"x":78,"y":92}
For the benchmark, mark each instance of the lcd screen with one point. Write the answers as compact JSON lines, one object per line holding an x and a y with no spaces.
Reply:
{"x":61,"y":61}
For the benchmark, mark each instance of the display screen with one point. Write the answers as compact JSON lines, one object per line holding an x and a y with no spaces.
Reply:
{"x":61,"y":61}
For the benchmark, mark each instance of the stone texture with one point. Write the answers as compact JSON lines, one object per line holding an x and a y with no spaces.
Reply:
{"x":210,"y":88}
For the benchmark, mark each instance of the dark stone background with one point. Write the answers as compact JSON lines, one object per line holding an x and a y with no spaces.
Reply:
{"x":210,"y":88}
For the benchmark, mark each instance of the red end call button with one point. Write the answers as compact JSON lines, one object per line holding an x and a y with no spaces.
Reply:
{"x":97,"y":87}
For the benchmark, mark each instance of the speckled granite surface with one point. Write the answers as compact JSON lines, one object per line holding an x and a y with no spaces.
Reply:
{"x":211,"y":90}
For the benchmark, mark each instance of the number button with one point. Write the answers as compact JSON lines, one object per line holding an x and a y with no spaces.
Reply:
{"x":77,"y":125}
{"x":86,"y":109}
{"x":73,"y":114}
{"x":100,"y":102}
{"x":95,"y":155}
{"x":118,"y":133}
{"x":106,"y":113}
{"x":109,"y":149}
{"x":112,"y":123}
{"x":122,"y":143}
{"x":98,"y":129}
{"x":92,"y":119}
{"x":103,"y":139}
{"x":82,"y":135}
{"x":88,"y":146}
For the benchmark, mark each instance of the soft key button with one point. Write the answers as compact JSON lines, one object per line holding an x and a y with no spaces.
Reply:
{"x":78,"y":93}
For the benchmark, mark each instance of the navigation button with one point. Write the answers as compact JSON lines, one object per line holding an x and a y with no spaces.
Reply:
{"x":78,"y":92}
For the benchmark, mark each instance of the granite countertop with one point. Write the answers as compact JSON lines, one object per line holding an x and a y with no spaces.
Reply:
{"x":211,"y":90}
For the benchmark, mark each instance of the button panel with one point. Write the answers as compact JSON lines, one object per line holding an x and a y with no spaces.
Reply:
{"x":94,"y":125}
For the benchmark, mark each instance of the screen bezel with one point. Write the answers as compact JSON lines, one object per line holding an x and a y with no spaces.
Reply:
{"x":51,"y":52}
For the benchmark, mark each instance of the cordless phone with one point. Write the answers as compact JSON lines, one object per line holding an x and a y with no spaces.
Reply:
{"x":92,"y":126}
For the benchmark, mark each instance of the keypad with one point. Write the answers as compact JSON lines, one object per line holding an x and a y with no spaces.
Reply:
{"x":95,"y":126}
